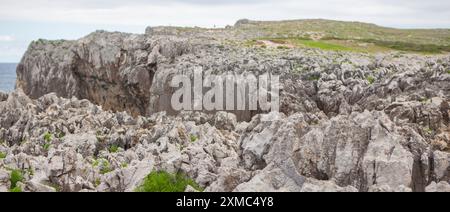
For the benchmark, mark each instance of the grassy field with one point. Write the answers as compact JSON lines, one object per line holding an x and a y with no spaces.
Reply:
{"x":349,"y":36}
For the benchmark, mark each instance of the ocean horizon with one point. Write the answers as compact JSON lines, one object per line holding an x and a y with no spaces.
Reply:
{"x":7,"y":76}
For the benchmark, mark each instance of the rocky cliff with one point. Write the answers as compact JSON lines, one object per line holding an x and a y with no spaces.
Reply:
{"x":349,"y":121}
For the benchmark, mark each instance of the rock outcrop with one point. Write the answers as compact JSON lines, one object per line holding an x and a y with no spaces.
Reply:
{"x":348,"y":121}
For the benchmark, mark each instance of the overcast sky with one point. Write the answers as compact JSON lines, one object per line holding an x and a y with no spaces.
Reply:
{"x":22,"y":21}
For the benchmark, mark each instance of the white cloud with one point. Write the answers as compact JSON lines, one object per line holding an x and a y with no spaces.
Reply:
{"x":6,"y":38}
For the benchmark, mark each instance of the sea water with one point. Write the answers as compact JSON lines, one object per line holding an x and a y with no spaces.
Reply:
{"x":7,"y":76}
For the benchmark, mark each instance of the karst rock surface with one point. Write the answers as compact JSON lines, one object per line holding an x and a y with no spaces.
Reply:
{"x":348,"y":121}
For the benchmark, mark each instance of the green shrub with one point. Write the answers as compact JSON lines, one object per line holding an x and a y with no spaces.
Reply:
{"x":105,"y":166}
{"x":370,"y":79}
{"x":162,"y":181}
{"x":95,"y":163}
{"x":15,"y":177}
{"x":15,"y":190}
{"x":46,"y":146}
{"x":97,"y":182}
{"x":48,"y":137}
{"x":424,"y":100}
{"x":428,"y":130}
{"x":2,"y":155}
{"x":194,"y":138}
{"x":113,"y":148}
{"x":448,"y":72}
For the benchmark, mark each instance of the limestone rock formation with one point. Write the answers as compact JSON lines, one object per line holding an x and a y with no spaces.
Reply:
{"x":94,"y":114}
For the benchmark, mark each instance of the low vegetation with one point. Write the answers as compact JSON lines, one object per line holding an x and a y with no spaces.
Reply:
{"x":320,"y":45}
{"x":160,"y":181}
{"x":410,"y":47}
{"x":370,"y":79}
{"x":48,"y":137}
{"x":16,"y":177}
{"x":2,"y":155}
{"x":113,"y":148}
{"x":103,"y":164}
{"x":194,"y":138}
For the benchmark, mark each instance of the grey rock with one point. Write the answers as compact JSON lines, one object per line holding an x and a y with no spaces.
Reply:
{"x":438,"y":187}
{"x":312,"y":185}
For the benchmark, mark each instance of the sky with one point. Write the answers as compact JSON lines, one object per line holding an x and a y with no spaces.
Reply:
{"x":22,"y":21}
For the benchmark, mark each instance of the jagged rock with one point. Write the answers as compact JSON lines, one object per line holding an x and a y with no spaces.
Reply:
{"x":3,"y":96}
{"x":312,"y":185}
{"x":225,"y":121}
{"x":347,"y":121}
{"x":4,"y":181}
{"x":438,"y":187}
{"x":38,"y":187}
{"x":274,"y":180}
{"x":441,"y":165}
{"x":129,"y":178}
{"x":257,"y":143}
{"x":360,"y":151}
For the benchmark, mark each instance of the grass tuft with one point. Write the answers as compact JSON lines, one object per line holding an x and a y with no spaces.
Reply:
{"x":194,"y":138}
{"x":48,"y":137}
{"x":15,"y":190}
{"x":370,"y":79}
{"x":113,"y":149}
{"x":15,"y":177}
{"x":165,"y":182}
{"x":411,"y":47}
{"x":105,"y":166}
{"x":314,"y":78}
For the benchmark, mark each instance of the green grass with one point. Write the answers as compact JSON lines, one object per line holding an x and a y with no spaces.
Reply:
{"x":410,"y":47}
{"x":302,"y":42}
{"x":48,"y":137}
{"x":114,"y":149}
{"x":321,"y":45}
{"x":428,"y":130}
{"x":165,"y":182}
{"x":15,"y":190}
{"x":424,"y":100}
{"x":370,"y":79}
{"x":448,"y":72}
{"x":47,"y":146}
{"x":97,"y":182}
{"x":342,"y":30}
{"x":15,"y":177}
{"x":194,"y":138}
{"x":314,"y":78}
{"x":349,"y":36}
{"x":2,"y":155}
{"x":105,"y":166}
